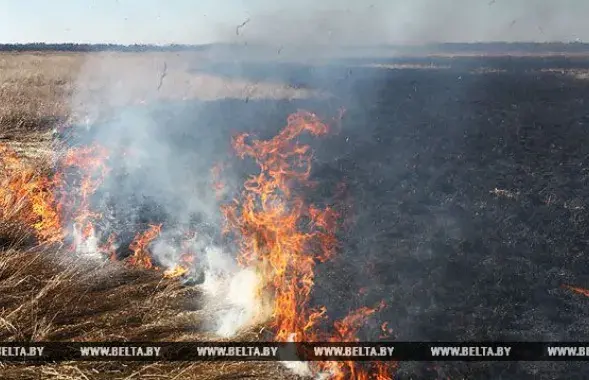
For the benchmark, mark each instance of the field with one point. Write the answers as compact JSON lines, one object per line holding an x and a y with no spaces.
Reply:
{"x":465,"y":198}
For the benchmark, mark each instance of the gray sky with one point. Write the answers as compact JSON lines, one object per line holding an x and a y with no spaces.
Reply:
{"x":302,"y":21}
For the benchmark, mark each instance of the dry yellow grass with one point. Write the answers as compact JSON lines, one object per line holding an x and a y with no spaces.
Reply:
{"x":52,"y":296}
{"x":39,"y":89}
{"x":35,"y":88}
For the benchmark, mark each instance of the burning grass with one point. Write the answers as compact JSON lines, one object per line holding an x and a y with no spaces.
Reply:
{"x":266,"y":219}
{"x":52,"y":297}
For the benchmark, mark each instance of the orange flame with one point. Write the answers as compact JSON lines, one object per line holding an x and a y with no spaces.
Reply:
{"x":50,"y":204}
{"x":26,"y":196}
{"x":269,"y":220}
{"x":89,"y":162}
{"x":279,"y":233}
{"x":180,"y":269}
{"x":109,"y":248}
{"x":42,"y":202}
{"x":140,"y":245}
{"x":176,"y":271}
{"x":582,"y":291}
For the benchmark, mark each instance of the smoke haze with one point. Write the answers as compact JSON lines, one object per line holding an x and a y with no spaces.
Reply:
{"x":420,"y":21}
{"x":306,"y":21}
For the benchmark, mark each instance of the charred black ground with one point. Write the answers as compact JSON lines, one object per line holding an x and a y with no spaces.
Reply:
{"x":467,"y":188}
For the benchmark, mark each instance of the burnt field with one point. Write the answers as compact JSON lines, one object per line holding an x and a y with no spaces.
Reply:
{"x":464,"y":204}
{"x":470,"y":196}
{"x":470,"y":205}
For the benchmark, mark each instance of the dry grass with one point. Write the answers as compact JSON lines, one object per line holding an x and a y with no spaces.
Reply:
{"x":52,"y":295}
{"x":40,"y":89}
{"x":34,"y":89}
{"x":133,"y":371}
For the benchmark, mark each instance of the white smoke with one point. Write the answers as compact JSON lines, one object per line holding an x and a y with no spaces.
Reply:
{"x":87,"y":247}
{"x":116,"y":103}
{"x":232,"y":295}
{"x":298,"y":368}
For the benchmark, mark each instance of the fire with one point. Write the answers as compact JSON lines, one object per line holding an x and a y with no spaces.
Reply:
{"x":268,"y":220}
{"x":45,"y":203}
{"x":346,"y":330}
{"x":280,"y":235}
{"x":86,"y":167}
{"x":176,"y":271}
{"x":58,"y":207}
{"x":109,"y":248}
{"x":186,"y":260}
{"x":26,"y":196}
{"x":139,"y":246}
{"x":582,"y":291}
{"x":182,"y":269}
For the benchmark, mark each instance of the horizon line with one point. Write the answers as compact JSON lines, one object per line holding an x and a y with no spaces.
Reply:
{"x":429,"y":43}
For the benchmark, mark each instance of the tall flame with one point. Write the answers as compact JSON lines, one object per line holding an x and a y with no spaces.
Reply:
{"x":268,"y":220}
{"x":91,"y":162}
{"x":141,"y":256}
{"x":284,"y":238}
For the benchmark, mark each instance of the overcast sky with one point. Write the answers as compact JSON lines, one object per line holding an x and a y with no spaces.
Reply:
{"x":297,"y":21}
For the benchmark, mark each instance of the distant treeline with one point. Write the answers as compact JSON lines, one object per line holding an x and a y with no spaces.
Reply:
{"x":40,"y":46}
{"x":487,"y":47}
{"x":506,"y":47}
